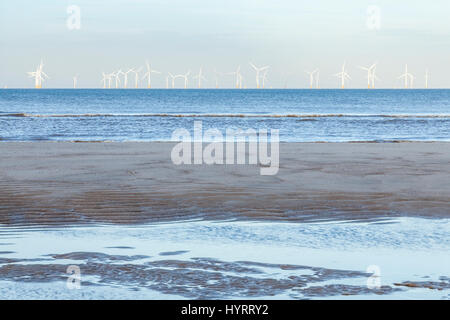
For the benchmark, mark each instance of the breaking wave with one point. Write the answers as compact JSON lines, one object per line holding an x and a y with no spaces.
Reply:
{"x":225,"y":115}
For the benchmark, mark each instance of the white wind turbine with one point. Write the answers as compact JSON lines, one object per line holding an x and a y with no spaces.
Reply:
{"x":117,"y":76}
{"x":173,"y":80}
{"x":148,"y":75}
{"x":38,"y":76}
{"x":104,"y":78}
{"x":343,"y":75}
{"x":216,"y":77}
{"x":125,"y":77}
{"x":258,"y":70}
{"x":264,"y":79}
{"x":241,"y":80}
{"x":426,"y":78}
{"x":407,"y":76}
{"x":311,"y":77}
{"x":185,"y":76}
{"x":317,"y":79}
{"x":370,"y":75}
{"x":110,"y":77}
{"x":237,"y":74}
{"x":136,"y":77}
{"x":200,"y":77}
{"x":75,"y":80}
{"x":374,"y":76}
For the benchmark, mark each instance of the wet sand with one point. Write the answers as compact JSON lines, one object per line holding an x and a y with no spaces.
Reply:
{"x":49,"y":183}
{"x":139,"y":226}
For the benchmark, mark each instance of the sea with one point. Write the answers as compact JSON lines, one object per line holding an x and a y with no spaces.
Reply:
{"x":153,"y":115}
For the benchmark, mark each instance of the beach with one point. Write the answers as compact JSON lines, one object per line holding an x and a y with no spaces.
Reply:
{"x":136,"y":182}
{"x":339,"y":220}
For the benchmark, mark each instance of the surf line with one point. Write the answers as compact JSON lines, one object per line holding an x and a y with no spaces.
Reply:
{"x":191,"y":149}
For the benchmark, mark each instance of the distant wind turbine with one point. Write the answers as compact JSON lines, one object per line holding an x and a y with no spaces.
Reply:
{"x":343,"y":75}
{"x":200,"y":77}
{"x":117,"y":76}
{"x":216,"y":77}
{"x":104,"y":78}
{"x":237,"y":74}
{"x":426,"y":78}
{"x":173,"y":79}
{"x":258,"y":70}
{"x":311,"y":77}
{"x":264,"y":79}
{"x":407,"y":76}
{"x":125,"y":77}
{"x":317,"y":79}
{"x":38,"y":76}
{"x":185,"y":76}
{"x":75,"y":80}
{"x":136,"y":77}
{"x":148,"y":74}
{"x":370,"y":75}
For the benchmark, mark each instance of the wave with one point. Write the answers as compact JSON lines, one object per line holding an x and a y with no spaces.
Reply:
{"x":225,"y":115}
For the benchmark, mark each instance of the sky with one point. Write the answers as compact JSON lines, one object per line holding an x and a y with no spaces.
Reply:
{"x":290,"y":36}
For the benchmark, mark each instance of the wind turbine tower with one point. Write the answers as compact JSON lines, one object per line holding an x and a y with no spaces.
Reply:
{"x":75,"y":80}
{"x":38,"y":76}
{"x":311,"y":77}
{"x":136,"y":77}
{"x":407,"y":76}
{"x":258,"y":70}
{"x":200,"y":77}
{"x":370,"y":75}
{"x":148,"y":75}
{"x":125,"y":77}
{"x":343,"y":75}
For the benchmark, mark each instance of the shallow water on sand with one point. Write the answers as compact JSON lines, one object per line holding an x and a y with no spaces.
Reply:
{"x":201,"y":259}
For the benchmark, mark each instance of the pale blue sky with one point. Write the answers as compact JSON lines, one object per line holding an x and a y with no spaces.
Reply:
{"x":176,"y":35}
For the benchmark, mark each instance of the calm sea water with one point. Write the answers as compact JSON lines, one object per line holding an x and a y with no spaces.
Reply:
{"x":300,"y":115}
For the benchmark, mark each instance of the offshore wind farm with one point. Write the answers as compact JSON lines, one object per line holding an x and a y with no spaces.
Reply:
{"x":120,"y":79}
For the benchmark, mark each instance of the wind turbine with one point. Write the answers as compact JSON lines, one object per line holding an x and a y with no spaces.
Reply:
{"x":200,"y":77}
{"x":136,"y":78}
{"x":125,"y":77}
{"x":407,"y":76}
{"x":374,"y":77}
{"x":216,"y":76}
{"x":75,"y":80}
{"x":311,"y":77}
{"x":104,"y":78}
{"x":173,"y":80}
{"x":185,"y":76}
{"x":343,"y":75}
{"x":110,"y":77}
{"x":237,"y":74}
{"x":426,"y":78}
{"x":148,"y":75}
{"x":370,"y":75}
{"x":258,"y":70}
{"x":38,"y":76}
{"x":317,"y":79}
{"x":264,"y":79}
{"x":117,"y":76}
